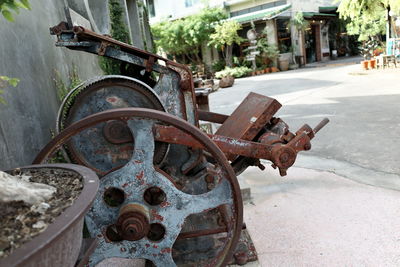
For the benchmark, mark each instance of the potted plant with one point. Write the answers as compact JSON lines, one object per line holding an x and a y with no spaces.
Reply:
{"x":367,"y":51}
{"x":268,"y":53}
{"x":49,"y":233}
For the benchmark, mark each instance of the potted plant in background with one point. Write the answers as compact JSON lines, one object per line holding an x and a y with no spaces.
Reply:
{"x":268,"y":54}
{"x":367,"y":51}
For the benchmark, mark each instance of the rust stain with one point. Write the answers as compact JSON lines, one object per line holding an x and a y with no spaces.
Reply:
{"x":156,"y":216}
{"x":140,"y":175}
{"x":166,"y":250}
{"x":111,"y":99}
{"x":165,"y":204}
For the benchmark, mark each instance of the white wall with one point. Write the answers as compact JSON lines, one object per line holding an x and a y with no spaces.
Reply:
{"x":310,"y":6}
{"x":175,"y":9}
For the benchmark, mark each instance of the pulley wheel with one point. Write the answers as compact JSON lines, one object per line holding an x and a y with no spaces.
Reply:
{"x":99,"y":147}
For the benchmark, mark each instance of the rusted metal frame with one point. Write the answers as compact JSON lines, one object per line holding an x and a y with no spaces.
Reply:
{"x":187,"y":86}
{"x":205,"y":232}
{"x":146,"y":60}
{"x":83,"y":33}
{"x":212,"y":116}
{"x":94,"y":48}
{"x":230,"y":145}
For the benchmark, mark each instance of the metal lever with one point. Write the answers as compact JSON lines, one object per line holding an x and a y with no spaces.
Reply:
{"x":320,"y":125}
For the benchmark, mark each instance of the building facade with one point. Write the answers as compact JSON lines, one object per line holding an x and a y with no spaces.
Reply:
{"x":270,"y":18}
{"x":273,"y":18}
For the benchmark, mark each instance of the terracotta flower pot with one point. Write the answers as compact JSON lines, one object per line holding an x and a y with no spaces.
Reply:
{"x":266,"y":70}
{"x":274,"y":69}
{"x":365,"y":64}
{"x":372,"y":63}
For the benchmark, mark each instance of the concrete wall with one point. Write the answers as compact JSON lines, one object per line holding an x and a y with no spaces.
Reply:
{"x":175,"y":9}
{"x":239,"y":5}
{"x":310,"y":6}
{"x":27,"y":51}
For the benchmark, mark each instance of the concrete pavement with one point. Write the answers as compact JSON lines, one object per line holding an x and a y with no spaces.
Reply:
{"x":363,"y":107}
{"x":312,"y":218}
{"x":325,"y":213}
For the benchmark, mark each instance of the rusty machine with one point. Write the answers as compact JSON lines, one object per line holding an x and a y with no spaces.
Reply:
{"x":169,"y":192}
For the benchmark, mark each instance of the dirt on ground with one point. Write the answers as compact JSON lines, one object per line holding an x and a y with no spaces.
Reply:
{"x":21,"y":222}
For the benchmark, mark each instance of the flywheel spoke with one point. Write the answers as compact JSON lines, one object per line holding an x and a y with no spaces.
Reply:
{"x":142,"y":131}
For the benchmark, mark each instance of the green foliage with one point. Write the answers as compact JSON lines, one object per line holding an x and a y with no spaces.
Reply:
{"x":63,"y":88}
{"x":6,"y":6}
{"x":368,"y":48}
{"x":299,"y":22}
{"x":267,"y":50}
{"x":366,"y":18}
{"x":226,"y":34}
{"x":236,"y":72}
{"x":185,"y":36}
{"x":218,"y":66}
{"x":120,"y":32}
{"x":4,"y":82}
{"x":58,"y":156}
{"x":5,"y":9}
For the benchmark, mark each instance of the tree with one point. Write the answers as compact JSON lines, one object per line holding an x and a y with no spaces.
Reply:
{"x":225,"y":36}
{"x":367,"y":18}
{"x":185,"y":36}
{"x":6,"y":6}
{"x":5,"y":9}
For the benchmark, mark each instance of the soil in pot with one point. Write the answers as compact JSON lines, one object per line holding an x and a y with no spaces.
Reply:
{"x":21,"y":222}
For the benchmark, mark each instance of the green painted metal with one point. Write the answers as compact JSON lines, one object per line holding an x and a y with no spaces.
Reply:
{"x":317,"y":14}
{"x":265,"y":14}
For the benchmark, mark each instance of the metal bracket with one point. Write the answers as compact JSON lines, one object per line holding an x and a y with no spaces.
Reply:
{"x":149,"y":64}
{"x":102,"y":48}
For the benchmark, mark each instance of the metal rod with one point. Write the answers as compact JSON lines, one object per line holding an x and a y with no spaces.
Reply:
{"x":320,"y":125}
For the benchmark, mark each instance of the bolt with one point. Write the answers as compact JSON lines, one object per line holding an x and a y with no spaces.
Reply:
{"x":209,"y":178}
{"x":284,"y":157}
{"x":307,"y":146}
{"x":241,"y":258}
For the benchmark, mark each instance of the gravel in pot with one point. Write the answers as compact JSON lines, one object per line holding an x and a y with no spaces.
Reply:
{"x":47,"y":233}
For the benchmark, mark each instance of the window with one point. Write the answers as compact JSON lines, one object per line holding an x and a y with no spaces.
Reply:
{"x":189,"y":3}
{"x":150,"y":8}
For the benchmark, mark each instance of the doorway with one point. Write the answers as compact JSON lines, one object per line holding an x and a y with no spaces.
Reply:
{"x":312,"y":43}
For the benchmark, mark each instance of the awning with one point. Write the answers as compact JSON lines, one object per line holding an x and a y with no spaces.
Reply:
{"x":264,"y":14}
{"x":310,"y":15}
{"x":328,"y":9}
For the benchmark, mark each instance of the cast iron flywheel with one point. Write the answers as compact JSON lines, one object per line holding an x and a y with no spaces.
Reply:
{"x":139,"y":212}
